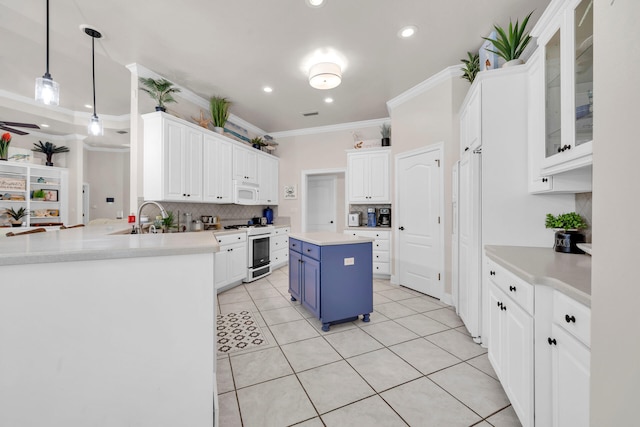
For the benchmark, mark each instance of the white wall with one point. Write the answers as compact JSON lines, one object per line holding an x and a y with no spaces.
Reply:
{"x":107,"y":176}
{"x":615,"y":294}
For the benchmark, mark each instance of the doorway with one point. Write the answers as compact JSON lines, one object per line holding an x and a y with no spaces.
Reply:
{"x":323,"y":201}
{"x":419,"y":202}
{"x":85,"y":203}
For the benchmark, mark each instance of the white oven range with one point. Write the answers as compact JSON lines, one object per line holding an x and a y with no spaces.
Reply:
{"x":258,"y":248}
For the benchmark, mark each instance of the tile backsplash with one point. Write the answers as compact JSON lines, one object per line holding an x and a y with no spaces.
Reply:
{"x":227,"y":214}
{"x":583,"y":207}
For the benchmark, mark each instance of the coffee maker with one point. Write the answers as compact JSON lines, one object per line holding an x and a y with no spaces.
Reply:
{"x":384,"y":217}
{"x":371,"y":217}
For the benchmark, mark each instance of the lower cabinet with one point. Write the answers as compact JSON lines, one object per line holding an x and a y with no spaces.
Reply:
{"x":230,"y":260}
{"x":279,"y":247}
{"x":381,"y":254}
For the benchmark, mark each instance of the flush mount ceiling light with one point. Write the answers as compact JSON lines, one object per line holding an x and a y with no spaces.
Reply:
{"x":325,"y":75}
{"x":95,"y":123}
{"x":47,"y":90}
{"x":315,"y":3}
{"x":408,"y":31}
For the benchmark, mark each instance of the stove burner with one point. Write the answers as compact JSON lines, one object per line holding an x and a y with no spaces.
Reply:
{"x":240,"y":226}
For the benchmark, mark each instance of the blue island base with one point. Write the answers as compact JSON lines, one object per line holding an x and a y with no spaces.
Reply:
{"x":326,"y":325}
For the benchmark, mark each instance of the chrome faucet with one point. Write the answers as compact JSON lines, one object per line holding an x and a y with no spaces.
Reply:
{"x":163,"y":212}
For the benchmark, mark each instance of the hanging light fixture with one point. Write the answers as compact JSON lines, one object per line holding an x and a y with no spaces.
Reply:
{"x":325,"y":75}
{"x":95,"y":123}
{"x":47,"y":91}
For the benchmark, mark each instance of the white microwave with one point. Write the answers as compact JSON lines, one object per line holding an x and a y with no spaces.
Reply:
{"x":245,"y":193}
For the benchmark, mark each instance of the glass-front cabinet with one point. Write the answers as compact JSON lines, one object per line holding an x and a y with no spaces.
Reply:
{"x":566,"y":46}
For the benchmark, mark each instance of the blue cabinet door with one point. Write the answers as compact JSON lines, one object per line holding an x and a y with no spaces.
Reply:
{"x":311,"y":285}
{"x":295,"y":275}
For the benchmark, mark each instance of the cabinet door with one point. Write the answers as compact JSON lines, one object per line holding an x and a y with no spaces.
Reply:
{"x":358,"y":173}
{"x":245,"y":164}
{"x":570,"y":365}
{"x":268,"y":180}
{"x":311,"y":285}
{"x":295,"y":271}
{"x":517,"y":360}
{"x":174,"y":161}
{"x":217,"y":156}
{"x":238,"y":261}
{"x":495,"y":331}
{"x":378,"y":177}
{"x":193,"y":165}
{"x":221,"y":274}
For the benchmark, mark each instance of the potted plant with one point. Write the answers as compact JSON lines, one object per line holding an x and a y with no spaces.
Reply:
{"x":219,"y":112}
{"x":568,"y":233}
{"x":257,"y":142}
{"x":385,"y":131}
{"x":471,"y":67}
{"x":49,"y":150}
{"x":160,"y":90}
{"x":167,"y":222}
{"x":511,"y":43}
{"x":38,"y":195}
{"x":5,"y":140}
{"x":16,"y":216}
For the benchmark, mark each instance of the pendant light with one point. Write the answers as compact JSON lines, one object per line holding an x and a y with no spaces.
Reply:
{"x":95,"y":123}
{"x":47,"y":90}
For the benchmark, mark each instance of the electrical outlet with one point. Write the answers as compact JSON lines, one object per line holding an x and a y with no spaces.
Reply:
{"x":349,"y":261}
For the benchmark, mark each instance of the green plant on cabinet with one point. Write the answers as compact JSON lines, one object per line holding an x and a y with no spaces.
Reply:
{"x":160,"y":90}
{"x":510,"y":44}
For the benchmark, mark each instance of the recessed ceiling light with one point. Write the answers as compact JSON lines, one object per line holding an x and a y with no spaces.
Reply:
{"x":315,"y":3}
{"x":328,"y":100}
{"x":89,"y":106}
{"x":267,"y":89}
{"x":44,"y":125}
{"x":406,"y":32}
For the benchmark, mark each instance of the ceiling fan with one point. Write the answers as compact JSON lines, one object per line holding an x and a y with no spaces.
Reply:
{"x":5,"y":126}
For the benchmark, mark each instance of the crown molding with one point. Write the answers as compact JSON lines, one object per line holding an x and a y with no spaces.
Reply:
{"x":433,"y":81}
{"x":330,"y":128}
{"x":106,"y":149}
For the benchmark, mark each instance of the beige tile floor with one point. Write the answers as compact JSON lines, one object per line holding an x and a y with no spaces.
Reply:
{"x":413,"y":364}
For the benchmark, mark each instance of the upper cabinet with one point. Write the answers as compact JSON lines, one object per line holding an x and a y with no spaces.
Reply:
{"x":217,"y":156}
{"x":470,"y":121}
{"x":245,"y":164}
{"x":268,"y":180}
{"x":562,"y":89}
{"x":368,"y":176}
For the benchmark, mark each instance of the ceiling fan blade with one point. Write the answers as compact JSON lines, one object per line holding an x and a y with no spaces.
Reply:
{"x":16,"y":131}
{"x":20,"y":125}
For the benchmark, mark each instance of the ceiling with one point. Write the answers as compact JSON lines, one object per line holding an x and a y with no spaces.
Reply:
{"x":234,"y":49}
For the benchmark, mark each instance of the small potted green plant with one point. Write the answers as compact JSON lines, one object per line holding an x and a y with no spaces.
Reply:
{"x":15,"y":217}
{"x":167,"y":223}
{"x":38,"y":195}
{"x":510,"y":44}
{"x":568,"y":233}
{"x":471,"y":67}
{"x":257,"y":142}
{"x":219,"y":112}
{"x":161,"y":90}
{"x":385,"y":131}
{"x":49,"y":150}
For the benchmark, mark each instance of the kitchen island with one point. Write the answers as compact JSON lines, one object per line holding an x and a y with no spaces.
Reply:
{"x":331,"y":274}
{"x":103,"y":328}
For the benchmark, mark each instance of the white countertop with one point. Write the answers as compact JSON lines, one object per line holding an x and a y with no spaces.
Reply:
{"x":568,"y":273}
{"x":326,"y":238}
{"x":95,"y":242}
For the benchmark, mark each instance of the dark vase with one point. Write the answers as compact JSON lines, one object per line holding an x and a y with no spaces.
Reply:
{"x":386,"y":142}
{"x":565,"y":241}
{"x":49,"y":159}
{"x":159,"y":108}
{"x":256,"y":146}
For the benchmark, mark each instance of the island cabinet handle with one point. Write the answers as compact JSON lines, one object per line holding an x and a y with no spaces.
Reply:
{"x":552,"y":341}
{"x":293,"y":245}
{"x":570,"y":319}
{"x":308,"y":250}
{"x":512,"y":288}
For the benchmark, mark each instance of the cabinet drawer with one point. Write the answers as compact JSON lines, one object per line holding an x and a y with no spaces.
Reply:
{"x":372,"y":234}
{"x":279,"y":242}
{"x":295,"y":245}
{"x":572,"y":316}
{"x":228,"y":239}
{"x":280,"y":256}
{"x":312,"y":251}
{"x":517,"y":289}
{"x":280,"y":231}
{"x":381,"y":245}
{"x":380,"y":256}
{"x":381,"y":268}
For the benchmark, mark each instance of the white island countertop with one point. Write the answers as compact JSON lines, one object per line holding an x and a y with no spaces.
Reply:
{"x":568,"y":273}
{"x":326,"y":238}
{"x":97,"y":242}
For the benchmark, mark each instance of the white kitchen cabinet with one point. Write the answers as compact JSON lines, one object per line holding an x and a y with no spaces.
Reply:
{"x":381,"y":248}
{"x":245,"y":164}
{"x":172,"y":159}
{"x":230,"y":260}
{"x":19,"y":180}
{"x":470,"y":121}
{"x":279,"y":247}
{"x":217,"y":156}
{"x":368,"y":176}
{"x":562,"y":88}
{"x":268,"y":179}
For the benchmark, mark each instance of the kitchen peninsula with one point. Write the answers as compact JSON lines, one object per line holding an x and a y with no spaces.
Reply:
{"x":103,"y":328}
{"x":331,"y":275}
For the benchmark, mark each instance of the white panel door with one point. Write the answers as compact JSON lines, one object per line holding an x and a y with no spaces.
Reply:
{"x":420,"y":231}
{"x":321,"y":203}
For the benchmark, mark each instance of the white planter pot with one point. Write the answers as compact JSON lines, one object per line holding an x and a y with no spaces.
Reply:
{"x":513,"y":63}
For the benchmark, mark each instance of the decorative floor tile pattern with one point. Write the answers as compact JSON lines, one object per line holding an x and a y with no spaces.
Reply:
{"x":238,"y":331}
{"x":414,"y":364}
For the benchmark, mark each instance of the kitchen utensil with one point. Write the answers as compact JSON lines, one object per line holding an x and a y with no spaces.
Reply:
{"x":384,"y":217}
